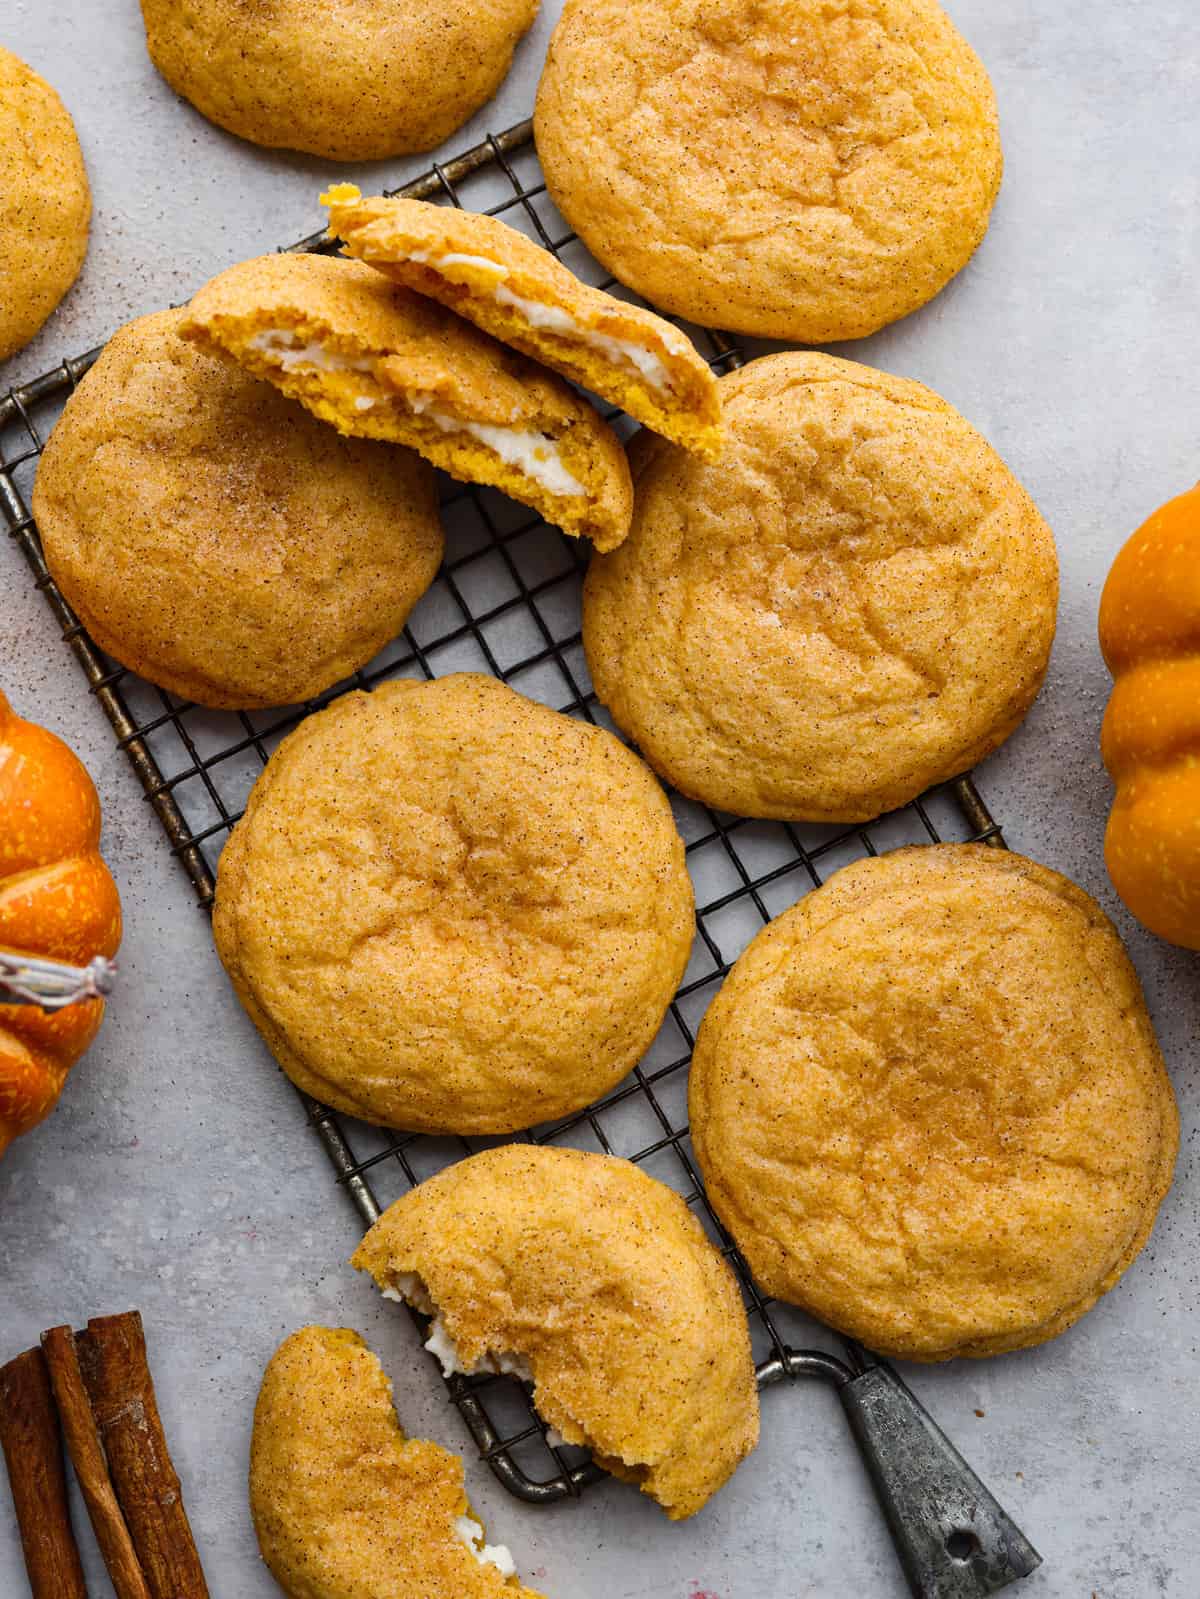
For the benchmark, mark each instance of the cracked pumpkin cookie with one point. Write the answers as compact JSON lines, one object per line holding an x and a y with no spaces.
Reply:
{"x":378,"y":362}
{"x":451,"y":909}
{"x":596,"y":1284}
{"x":516,"y":291}
{"x":350,"y":80}
{"x":807,"y":169}
{"x":45,"y":202}
{"x":855,"y":601}
{"x":216,"y":538}
{"x":930,"y":1107}
{"x":344,"y":1505}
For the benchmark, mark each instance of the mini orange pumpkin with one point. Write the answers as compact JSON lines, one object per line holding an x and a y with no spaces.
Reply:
{"x":1150,"y":636}
{"x":57,"y":899}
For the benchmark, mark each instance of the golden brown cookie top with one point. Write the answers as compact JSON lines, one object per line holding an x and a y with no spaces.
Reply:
{"x":521,"y":294}
{"x":802,"y":170}
{"x":219,"y":540}
{"x":344,"y":1505}
{"x":604,"y":1285}
{"x":452,"y":909}
{"x":855,"y":601}
{"x":377,"y":361}
{"x":45,"y":202}
{"x":350,"y":80}
{"x":929,"y":1104}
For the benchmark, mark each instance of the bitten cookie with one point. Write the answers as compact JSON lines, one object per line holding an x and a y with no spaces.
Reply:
{"x":216,"y":538}
{"x":45,"y":203}
{"x":806,"y":170}
{"x":599,"y":1286}
{"x":337,"y":78}
{"x":380,"y":363}
{"x":930,"y":1107}
{"x":519,"y":293}
{"x":344,"y":1505}
{"x":855,"y":601}
{"x":451,"y":909}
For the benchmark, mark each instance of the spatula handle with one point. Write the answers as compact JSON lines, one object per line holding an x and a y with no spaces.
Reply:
{"x":954,"y":1539}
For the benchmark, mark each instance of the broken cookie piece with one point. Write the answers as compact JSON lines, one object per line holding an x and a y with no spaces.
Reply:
{"x":344,"y":1505}
{"x":594,"y":1282}
{"x":380,"y":363}
{"x":516,"y":291}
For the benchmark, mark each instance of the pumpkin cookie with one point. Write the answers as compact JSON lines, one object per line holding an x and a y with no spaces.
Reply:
{"x":216,"y":538}
{"x":344,"y":1505}
{"x":45,"y":203}
{"x":512,"y":289}
{"x":855,"y":601}
{"x":451,"y":909}
{"x":337,"y":78}
{"x":806,"y":170}
{"x":380,"y":363}
{"x":930,"y":1106}
{"x":596,"y":1283}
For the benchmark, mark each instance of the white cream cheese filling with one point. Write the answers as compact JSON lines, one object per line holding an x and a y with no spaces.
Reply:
{"x":505,"y":1363}
{"x":553,"y":319}
{"x":533,"y":453}
{"x":536,"y":454}
{"x":408,"y":1288}
{"x":625,"y":352}
{"x":287,"y":350}
{"x":487,"y":1554}
{"x":441,"y":1344}
{"x":453,"y":258}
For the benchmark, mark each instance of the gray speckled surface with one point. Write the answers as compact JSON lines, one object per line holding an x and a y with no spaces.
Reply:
{"x":177,"y":1174}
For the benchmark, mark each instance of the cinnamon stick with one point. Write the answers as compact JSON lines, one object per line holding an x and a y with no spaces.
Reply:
{"x":32,"y":1444}
{"x":116,"y":1372}
{"x":91,"y":1468}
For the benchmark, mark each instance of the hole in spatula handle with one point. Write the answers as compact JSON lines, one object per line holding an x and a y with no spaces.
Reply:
{"x":962,"y":1545}
{"x":953,"y":1537}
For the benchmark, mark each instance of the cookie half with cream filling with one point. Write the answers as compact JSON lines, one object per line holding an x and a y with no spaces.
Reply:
{"x":516,"y":291}
{"x":344,"y":1505}
{"x":582,"y":1275}
{"x":380,"y":363}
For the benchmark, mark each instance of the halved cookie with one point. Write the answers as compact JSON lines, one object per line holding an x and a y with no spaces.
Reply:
{"x":518,"y":292}
{"x":380,"y":363}
{"x":596,"y":1284}
{"x":344,"y":1505}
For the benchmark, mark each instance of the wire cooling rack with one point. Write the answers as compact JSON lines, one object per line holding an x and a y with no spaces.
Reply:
{"x":506,"y":602}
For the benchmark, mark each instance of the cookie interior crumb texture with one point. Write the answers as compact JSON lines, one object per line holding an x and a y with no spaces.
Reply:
{"x":805,"y":169}
{"x":45,"y":203}
{"x":376,"y":361}
{"x":217,"y":539}
{"x":508,"y":286}
{"x":855,"y":601}
{"x":451,"y":909}
{"x":344,"y":79}
{"x":598,"y":1284}
{"x":344,"y":1505}
{"x":929,"y":1104}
